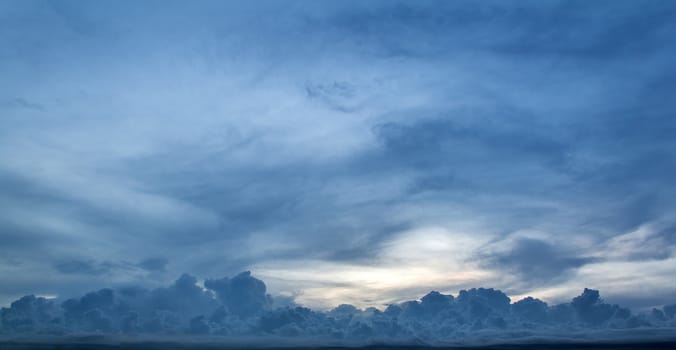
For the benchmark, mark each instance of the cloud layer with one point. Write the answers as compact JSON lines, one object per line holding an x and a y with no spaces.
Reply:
{"x":239,"y":307}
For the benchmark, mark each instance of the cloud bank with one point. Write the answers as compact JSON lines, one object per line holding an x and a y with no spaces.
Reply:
{"x":239,"y":307}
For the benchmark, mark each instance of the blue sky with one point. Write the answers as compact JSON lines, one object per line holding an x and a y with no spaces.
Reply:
{"x":361,"y":152}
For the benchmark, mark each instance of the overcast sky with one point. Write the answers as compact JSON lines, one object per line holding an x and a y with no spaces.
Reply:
{"x":361,"y":152}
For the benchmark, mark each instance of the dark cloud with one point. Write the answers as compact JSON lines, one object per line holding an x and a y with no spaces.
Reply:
{"x":91,"y":312}
{"x":86,"y":267}
{"x":536,"y":261}
{"x":239,"y":307}
{"x":154,"y":264}
{"x":470,"y":145}
{"x":30,"y":314}
{"x":531,"y":309}
{"x":560,"y":29}
{"x":21,"y":103}
{"x":183,"y":297}
{"x":339,"y":96}
{"x":244,"y":295}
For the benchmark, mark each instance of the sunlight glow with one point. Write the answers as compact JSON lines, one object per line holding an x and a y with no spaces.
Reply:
{"x":429,"y":257}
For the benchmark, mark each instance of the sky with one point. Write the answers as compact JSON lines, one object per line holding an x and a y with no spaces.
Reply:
{"x":342,"y":151}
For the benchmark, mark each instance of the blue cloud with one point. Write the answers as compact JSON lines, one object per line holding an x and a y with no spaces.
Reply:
{"x":154,"y":264}
{"x":280,"y":133}
{"x":536,"y":261}
{"x":243,"y":295}
{"x":239,"y":308}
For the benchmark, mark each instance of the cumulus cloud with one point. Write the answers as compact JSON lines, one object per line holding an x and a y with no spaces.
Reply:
{"x":29,"y":314}
{"x":239,"y":307}
{"x":244,"y":295}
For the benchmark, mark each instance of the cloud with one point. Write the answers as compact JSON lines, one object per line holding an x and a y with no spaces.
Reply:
{"x":238,"y":307}
{"x":536,"y":261}
{"x":20,"y":103}
{"x":30,"y":314}
{"x":244,"y":295}
{"x":91,"y":312}
{"x":154,"y":264}
{"x":431,"y":141}
{"x":87,"y":267}
{"x":318,"y":140}
{"x":438,"y":29}
{"x":338,"y":95}
{"x":646,"y":242}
